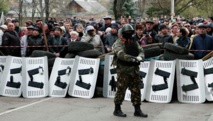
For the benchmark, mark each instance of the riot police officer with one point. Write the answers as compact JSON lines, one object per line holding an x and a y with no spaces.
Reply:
{"x":127,"y":57}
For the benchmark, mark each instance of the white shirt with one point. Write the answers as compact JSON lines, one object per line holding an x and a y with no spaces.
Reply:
{"x":1,"y":34}
{"x":23,"y":45}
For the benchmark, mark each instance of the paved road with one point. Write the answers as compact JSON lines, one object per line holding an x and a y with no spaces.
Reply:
{"x":97,"y":109}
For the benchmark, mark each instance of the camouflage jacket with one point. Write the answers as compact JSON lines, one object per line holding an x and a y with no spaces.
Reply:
{"x":119,"y":51}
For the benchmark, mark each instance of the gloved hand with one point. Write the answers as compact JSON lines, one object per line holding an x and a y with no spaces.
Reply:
{"x":139,"y":58}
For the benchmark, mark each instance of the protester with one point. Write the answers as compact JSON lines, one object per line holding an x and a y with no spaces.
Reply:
{"x":163,"y":36}
{"x":111,"y":37}
{"x":11,"y":38}
{"x":94,"y":39}
{"x":149,"y":34}
{"x":3,"y":28}
{"x":183,"y":39}
{"x":139,"y":34}
{"x":175,"y":30}
{"x":35,"y":40}
{"x":24,"y":41}
{"x":107,"y":24}
{"x":74,"y":37}
{"x":202,"y":42}
{"x":59,"y":40}
{"x":17,"y":28}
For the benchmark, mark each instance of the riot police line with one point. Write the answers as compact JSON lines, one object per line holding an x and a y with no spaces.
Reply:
{"x":78,"y":76}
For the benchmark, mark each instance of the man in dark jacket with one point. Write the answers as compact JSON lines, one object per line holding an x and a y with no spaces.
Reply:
{"x":58,"y":39}
{"x":111,"y":37}
{"x":163,"y":36}
{"x":17,"y":28}
{"x":149,"y":34}
{"x":202,"y":42}
{"x":35,"y":40}
{"x":107,"y":24}
{"x":11,"y":38}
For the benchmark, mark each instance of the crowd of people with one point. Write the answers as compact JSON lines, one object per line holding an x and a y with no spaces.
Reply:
{"x":193,"y":34}
{"x":125,"y":38}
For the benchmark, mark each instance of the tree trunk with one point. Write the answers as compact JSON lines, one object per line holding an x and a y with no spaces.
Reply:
{"x":33,"y":9}
{"x":41,"y":9}
{"x":117,"y":8}
{"x":20,"y":11}
{"x":114,"y":9}
{"x":47,"y":9}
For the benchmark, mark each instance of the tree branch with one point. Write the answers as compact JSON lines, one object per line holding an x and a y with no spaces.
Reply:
{"x":184,"y":7}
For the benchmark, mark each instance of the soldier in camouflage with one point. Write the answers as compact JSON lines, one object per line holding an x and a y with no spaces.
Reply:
{"x":127,"y":57}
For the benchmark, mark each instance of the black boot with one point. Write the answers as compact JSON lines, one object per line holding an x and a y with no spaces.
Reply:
{"x":138,"y":112}
{"x":118,"y":111}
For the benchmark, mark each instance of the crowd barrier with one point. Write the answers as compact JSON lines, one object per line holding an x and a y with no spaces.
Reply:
{"x":78,"y":76}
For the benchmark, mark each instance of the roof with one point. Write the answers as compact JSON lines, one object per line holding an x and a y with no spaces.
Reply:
{"x":91,"y":6}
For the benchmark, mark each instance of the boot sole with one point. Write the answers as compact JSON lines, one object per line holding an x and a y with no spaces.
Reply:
{"x":120,"y":115}
{"x":141,"y":116}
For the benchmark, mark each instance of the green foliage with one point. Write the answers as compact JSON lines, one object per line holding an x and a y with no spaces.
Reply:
{"x":129,"y":9}
{"x":156,"y":9}
{"x":187,"y":8}
{"x":4,"y":6}
{"x":110,"y":10}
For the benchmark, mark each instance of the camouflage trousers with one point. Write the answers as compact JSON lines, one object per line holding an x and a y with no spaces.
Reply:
{"x":131,"y":81}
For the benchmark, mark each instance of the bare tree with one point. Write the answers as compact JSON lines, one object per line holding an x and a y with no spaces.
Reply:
{"x":141,"y":6}
{"x":47,"y":9}
{"x":117,"y":8}
{"x":34,"y":4}
{"x":20,"y":11}
{"x":41,"y":9}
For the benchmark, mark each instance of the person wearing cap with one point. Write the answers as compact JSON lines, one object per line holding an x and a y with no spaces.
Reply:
{"x":202,"y":42}
{"x":8,"y":20}
{"x":58,"y":40}
{"x":17,"y":28}
{"x":24,"y":40}
{"x":111,"y":37}
{"x":127,"y":57}
{"x":188,"y":26}
{"x":163,"y":36}
{"x":149,"y":34}
{"x":73,"y":37}
{"x":35,"y":40}
{"x":93,"y":38}
{"x":107,"y":20}
{"x":210,"y":29}
{"x":11,"y":38}
{"x":3,"y":28}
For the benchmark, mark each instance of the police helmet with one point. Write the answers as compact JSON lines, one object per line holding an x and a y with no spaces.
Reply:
{"x":127,"y":27}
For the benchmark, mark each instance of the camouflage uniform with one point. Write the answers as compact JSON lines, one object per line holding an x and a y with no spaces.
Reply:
{"x":127,"y":70}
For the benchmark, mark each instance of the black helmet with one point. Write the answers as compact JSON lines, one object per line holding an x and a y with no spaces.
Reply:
{"x":127,"y":27}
